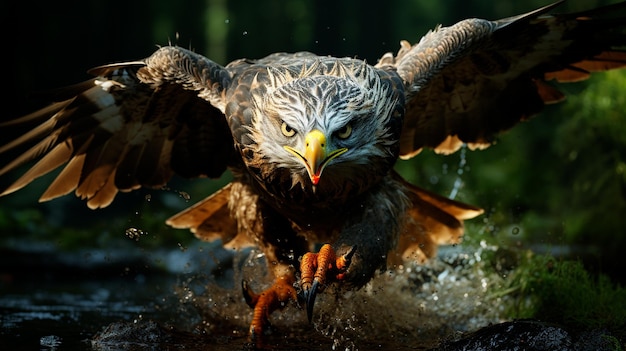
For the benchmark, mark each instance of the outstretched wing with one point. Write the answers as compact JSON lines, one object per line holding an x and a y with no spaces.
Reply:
{"x":136,"y":124}
{"x":469,"y":81}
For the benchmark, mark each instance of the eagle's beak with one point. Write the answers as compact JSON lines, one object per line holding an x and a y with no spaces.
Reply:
{"x":316,"y":155}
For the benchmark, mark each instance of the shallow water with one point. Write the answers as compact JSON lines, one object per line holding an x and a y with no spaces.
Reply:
{"x":107,"y":300}
{"x":67,"y":314}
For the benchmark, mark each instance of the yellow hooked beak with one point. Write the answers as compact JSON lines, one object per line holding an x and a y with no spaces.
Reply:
{"x":315,"y":156}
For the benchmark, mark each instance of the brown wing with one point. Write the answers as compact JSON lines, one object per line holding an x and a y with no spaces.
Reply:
{"x":211,"y":219}
{"x":135,"y":125}
{"x":476,"y":78}
{"x":433,"y":220}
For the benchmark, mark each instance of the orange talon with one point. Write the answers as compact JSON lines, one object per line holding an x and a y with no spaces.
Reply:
{"x":275,"y":297}
{"x":315,"y":268}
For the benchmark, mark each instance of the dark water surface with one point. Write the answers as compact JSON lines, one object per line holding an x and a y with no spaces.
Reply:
{"x":66,"y":301}
{"x":49,"y":301}
{"x":189,"y":299}
{"x":69,"y":312}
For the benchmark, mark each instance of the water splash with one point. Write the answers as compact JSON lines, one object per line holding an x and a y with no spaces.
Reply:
{"x":50,"y":341}
{"x":458,"y":182}
{"x":412,"y":305}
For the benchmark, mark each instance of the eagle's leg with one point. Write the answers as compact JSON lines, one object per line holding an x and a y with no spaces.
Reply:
{"x":281,"y":245}
{"x":264,"y":303}
{"x":317,"y":268}
{"x":367,"y":235}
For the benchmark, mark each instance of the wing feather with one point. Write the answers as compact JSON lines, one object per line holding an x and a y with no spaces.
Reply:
{"x":66,"y":181}
{"x":467,"y":82}
{"x":105,"y":193}
{"x":51,"y":161}
{"x":433,"y":220}
{"x":98,"y":166}
{"x":135,"y":125}
{"x":548,"y":93}
{"x":210,"y":220}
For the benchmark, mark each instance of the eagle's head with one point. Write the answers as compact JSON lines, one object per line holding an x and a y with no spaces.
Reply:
{"x":330,"y":131}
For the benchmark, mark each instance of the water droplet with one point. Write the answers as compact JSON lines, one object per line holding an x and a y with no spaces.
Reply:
{"x":245,"y":32}
{"x":227,"y":21}
{"x":134,"y":233}
{"x":51,"y":341}
{"x":184,"y":195}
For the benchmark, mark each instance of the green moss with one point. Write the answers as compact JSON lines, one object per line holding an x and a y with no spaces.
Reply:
{"x":613,"y":342}
{"x":565,"y":292}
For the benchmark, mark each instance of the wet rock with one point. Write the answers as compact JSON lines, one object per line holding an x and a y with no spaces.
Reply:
{"x":529,"y":335}
{"x":126,"y":334}
{"x":144,"y":335}
{"x":150,"y":335}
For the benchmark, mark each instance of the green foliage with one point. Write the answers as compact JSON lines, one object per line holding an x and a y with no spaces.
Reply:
{"x":562,"y":291}
{"x":593,"y":143}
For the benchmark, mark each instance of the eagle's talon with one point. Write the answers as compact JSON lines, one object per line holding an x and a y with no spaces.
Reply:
{"x":317,"y":268}
{"x":309,"y":296}
{"x":344,"y":261}
{"x":248,"y":294}
{"x":264,"y":303}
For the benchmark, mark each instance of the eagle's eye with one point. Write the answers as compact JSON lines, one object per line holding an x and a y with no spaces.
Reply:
{"x":287,"y":130}
{"x":344,"y":132}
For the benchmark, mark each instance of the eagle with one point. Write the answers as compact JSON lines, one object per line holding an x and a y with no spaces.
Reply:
{"x":311,"y":141}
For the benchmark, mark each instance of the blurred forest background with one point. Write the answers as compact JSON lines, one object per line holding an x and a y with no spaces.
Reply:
{"x":555,"y":183}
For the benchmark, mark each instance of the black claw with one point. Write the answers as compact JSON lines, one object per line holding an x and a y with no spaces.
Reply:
{"x":348,"y":255}
{"x":248,"y":294}
{"x":309,"y":296}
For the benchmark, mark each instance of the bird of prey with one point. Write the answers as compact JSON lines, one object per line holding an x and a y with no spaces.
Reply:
{"x":312,"y":140}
